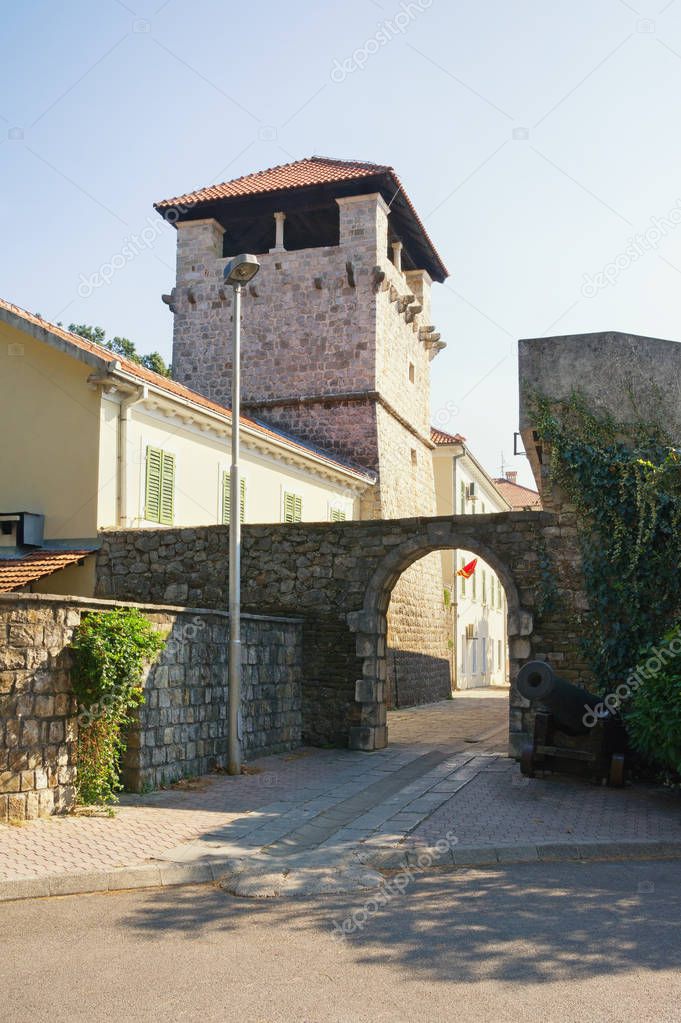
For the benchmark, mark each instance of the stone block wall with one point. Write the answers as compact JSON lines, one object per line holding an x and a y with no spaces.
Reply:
{"x":38,"y":712}
{"x":339,"y":577}
{"x":182,"y":727}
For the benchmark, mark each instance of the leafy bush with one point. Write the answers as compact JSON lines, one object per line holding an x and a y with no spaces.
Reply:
{"x":653,"y":714}
{"x":110,"y":650}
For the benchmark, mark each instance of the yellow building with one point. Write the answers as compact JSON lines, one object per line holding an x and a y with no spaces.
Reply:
{"x":92,"y":440}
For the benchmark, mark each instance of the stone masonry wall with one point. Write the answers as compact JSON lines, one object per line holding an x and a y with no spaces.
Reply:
{"x":182,"y":727}
{"x":38,"y":712}
{"x":339,"y":577}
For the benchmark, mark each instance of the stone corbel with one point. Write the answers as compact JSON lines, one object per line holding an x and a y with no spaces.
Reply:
{"x":169,"y":300}
{"x":377,"y":277}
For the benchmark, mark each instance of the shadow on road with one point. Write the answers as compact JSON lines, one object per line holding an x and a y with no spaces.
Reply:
{"x":529,"y":922}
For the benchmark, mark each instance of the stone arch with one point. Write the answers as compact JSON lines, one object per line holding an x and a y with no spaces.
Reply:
{"x":370,"y":624}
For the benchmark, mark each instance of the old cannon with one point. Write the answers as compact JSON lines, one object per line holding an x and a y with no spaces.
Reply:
{"x":573,"y":732}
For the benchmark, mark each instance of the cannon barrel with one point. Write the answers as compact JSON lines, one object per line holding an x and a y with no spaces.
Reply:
{"x":568,"y":702}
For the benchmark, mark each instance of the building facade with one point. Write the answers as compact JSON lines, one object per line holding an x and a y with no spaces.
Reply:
{"x":478,"y":639}
{"x":105,"y":442}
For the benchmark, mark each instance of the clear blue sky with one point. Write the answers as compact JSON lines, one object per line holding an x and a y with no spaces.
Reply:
{"x":536,"y":139}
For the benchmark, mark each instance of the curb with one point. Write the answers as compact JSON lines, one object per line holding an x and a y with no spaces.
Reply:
{"x":394,"y":858}
{"x":168,"y":875}
{"x":149,"y":875}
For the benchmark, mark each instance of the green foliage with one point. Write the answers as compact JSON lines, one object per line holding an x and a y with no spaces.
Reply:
{"x":653,"y":712}
{"x":110,"y":649}
{"x":122,"y":346}
{"x":625,"y":481}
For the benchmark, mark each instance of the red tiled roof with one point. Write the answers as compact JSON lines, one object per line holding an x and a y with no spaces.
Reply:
{"x":18,"y":572}
{"x":440,"y":437}
{"x":313,"y":170}
{"x":145,"y":375}
{"x":518,"y":496}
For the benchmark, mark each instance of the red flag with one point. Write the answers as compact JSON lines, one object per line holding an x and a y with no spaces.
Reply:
{"x":467,"y":570}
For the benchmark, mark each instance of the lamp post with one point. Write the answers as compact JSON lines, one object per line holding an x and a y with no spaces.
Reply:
{"x":239,"y":271}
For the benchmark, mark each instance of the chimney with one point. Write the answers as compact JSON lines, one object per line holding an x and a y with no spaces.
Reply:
{"x":512,"y":477}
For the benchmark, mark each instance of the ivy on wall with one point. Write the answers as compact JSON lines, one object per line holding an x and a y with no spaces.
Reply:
{"x":625,"y":483}
{"x":110,"y":651}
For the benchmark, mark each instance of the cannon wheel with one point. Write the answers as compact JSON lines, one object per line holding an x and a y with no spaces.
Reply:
{"x":527,"y":761}
{"x":616,"y":776}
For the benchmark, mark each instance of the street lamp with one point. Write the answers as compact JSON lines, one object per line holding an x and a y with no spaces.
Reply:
{"x":239,"y":271}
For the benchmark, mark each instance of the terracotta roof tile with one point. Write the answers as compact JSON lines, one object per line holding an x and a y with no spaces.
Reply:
{"x":313,"y":170}
{"x":16,"y":573}
{"x":518,"y":496}
{"x":440,"y":437}
{"x":145,"y":375}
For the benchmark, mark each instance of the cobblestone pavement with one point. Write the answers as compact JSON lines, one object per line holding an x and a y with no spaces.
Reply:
{"x":445,"y":771}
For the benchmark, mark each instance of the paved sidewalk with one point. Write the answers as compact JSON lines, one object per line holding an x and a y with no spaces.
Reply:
{"x":322,"y":820}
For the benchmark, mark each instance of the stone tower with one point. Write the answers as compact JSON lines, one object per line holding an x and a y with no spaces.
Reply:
{"x":336,"y":344}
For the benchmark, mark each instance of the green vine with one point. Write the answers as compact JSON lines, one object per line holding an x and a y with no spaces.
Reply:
{"x":110,"y":650}
{"x":625,"y":483}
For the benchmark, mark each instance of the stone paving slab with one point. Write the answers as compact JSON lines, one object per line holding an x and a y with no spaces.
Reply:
{"x":308,"y":821}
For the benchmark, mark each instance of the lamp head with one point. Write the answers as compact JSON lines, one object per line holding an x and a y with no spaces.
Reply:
{"x":241,"y":269}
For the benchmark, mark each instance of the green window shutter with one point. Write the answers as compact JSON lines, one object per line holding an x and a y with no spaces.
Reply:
{"x":226,"y":498}
{"x":167,"y":488}
{"x":293,"y":507}
{"x":338,"y":515}
{"x":484,"y":587}
{"x":152,"y":485}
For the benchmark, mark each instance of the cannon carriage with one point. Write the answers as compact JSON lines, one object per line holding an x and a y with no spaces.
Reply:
{"x":562,"y":740}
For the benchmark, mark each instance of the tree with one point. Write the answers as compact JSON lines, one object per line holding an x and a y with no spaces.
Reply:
{"x":122,"y":346}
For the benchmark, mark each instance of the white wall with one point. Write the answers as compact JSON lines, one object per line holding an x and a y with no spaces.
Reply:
{"x":200,"y":459}
{"x":480,"y":661}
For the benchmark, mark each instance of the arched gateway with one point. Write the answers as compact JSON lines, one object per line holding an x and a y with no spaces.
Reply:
{"x":338,"y":577}
{"x":370,"y":624}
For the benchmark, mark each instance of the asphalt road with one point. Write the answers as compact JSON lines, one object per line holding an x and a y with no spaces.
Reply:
{"x":565,"y":943}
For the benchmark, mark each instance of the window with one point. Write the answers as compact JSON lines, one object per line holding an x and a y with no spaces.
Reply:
{"x":411,"y":372}
{"x":483,"y":659}
{"x":483,"y":508}
{"x":492,"y":585}
{"x":413,"y":458}
{"x":474,"y":656}
{"x":463,"y":498}
{"x":463,"y":653}
{"x":293,"y":507}
{"x":475,"y":586}
{"x":226,"y":499}
{"x":499,"y":654}
{"x":484,"y":586}
{"x":159,"y":486}
{"x":338,"y":515}
{"x":463,"y":579}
